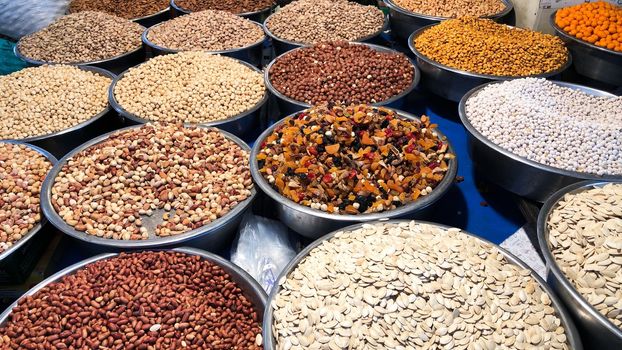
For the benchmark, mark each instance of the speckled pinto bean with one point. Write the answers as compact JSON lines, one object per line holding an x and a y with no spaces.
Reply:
{"x":129,"y":9}
{"x":233,"y":6}
{"x":143,"y":301}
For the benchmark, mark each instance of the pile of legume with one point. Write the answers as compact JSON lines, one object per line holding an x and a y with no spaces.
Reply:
{"x":129,"y":9}
{"x":412,"y":286}
{"x":22,"y":171}
{"x":191,"y":87}
{"x":552,"y":125}
{"x":598,"y":23}
{"x":82,"y":37}
{"x":341,"y":73}
{"x":233,"y":6}
{"x":585,"y":237}
{"x":453,"y":8}
{"x":149,"y":300}
{"x":485,"y":47}
{"x":314,"y":21}
{"x":357,"y":159}
{"x":188,"y":176}
{"x":47,"y":99}
{"x":206,"y":30}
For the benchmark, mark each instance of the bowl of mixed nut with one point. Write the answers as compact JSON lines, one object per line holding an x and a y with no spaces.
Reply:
{"x":255,"y":10}
{"x":412,"y":285}
{"x":163,"y":299}
{"x":580,"y":236}
{"x":143,"y":12}
{"x":330,"y":166}
{"x":151,"y":185}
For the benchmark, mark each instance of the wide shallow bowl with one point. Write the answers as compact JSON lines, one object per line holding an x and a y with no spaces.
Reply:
{"x":148,"y":20}
{"x":251,"y":289}
{"x":115,"y":64}
{"x":596,"y":330}
{"x":12,"y":258}
{"x":240,"y":125}
{"x":211,"y":237}
{"x":257,"y":16}
{"x":61,"y":142}
{"x":594,"y":62}
{"x":268,"y":332}
{"x":453,"y":83}
{"x":404,"y":22}
{"x":517,"y":174}
{"x":314,"y":223}
{"x":288,"y":105}
{"x":252,"y":53}
{"x":281,"y":45}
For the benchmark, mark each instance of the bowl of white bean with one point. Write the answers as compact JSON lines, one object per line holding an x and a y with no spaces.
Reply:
{"x":534,"y":137}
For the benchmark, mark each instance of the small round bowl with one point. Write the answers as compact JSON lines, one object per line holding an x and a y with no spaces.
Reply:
{"x":211,"y":237}
{"x":281,"y":45}
{"x":314,"y":223}
{"x":257,"y":16}
{"x":61,"y":142}
{"x":404,"y":22}
{"x":453,"y":83}
{"x":516,"y":174}
{"x":594,"y":62}
{"x":598,"y":332}
{"x":251,"y":289}
{"x":239,"y":125}
{"x":115,"y":64}
{"x":288,"y":105}
{"x":252,"y":53}
{"x":268,"y":332}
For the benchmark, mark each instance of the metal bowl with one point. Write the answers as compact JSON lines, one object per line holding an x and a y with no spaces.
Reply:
{"x":404,"y":22}
{"x":211,"y":237}
{"x":281,"y":45}
{"x":594,"y":62}
{"x":268,"y":333}
{"x":288,"y":105}
{"x":114,"y":64}
{"x":516,"y":174}
{"x":257,"y":16}
{"x":251,"y":289}
{"x":239,"y":125}
{"x":145,"y":21}
{"x":61,"y":142}
{"x":252,"y":53}
{"x":452,"y":83}
{"x":598,"y":332}
{"x":314,"y":223}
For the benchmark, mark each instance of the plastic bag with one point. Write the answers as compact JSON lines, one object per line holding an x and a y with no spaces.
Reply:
{"x":19,"y":18}
{"x":263,"y":247}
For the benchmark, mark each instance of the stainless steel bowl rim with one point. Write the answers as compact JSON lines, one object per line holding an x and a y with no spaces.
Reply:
{"x":420,"y":56}
{"x":551,"y":263}
{"x":89,"y":63}
{"x":98,"y":70}
{"x":476,"y":133}
{"x":58,"y":222}
{"x":124,"y":113}
{"x":408,"y":90}
{"x":560,"y":32}
{"x":385,"y":26}
{"x":571,"y":331}
{"x":256,"y":288}
{"x":43,"y":221}
{"x":243,"y":14}
{"x":420,"y":203}
{"x":151,"y":44}
{"x":395,"y":7}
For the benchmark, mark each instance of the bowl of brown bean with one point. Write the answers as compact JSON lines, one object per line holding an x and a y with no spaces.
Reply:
{"x":402,"y":284}
{"x":340,"y":73}
{"x":463,"y":60}
{"x":143,"y":12}
{"x":255,"y":10}
{"x":408,"y":16}
{"x":580,"y":236}
{"x":151,"y":186}
{"x":327,"y":168}
{"x":168,"y":299}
